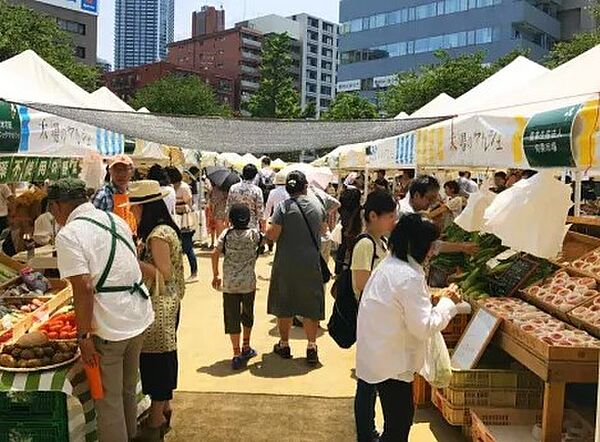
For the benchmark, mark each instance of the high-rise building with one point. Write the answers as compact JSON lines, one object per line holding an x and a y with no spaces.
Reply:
{"x":382,"y":38}
{"x":143,"y":29}
{"x":207,"y":21}
{"x":78,"y":18}
{"x":319,"y":61}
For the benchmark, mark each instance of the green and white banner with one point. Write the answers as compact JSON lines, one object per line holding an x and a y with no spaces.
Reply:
{"x":35,"y":169}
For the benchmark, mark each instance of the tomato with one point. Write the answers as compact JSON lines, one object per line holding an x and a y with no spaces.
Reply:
{"x":66,"y":328}
{"x":52,"y":335}
{"x":72,"y":335}
{"x":63,"y":335}
{"x":55,"y":328}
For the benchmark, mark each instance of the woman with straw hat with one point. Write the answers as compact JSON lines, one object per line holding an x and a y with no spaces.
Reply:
{"x":162,"y":260}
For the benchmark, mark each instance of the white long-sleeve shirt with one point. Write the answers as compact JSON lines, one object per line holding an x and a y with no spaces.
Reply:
{"x":276,"y":197}
{"x":395,"y":319}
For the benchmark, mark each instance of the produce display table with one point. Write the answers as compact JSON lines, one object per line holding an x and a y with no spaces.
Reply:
{"x":555,"y":373}
{"x":72,"y":382}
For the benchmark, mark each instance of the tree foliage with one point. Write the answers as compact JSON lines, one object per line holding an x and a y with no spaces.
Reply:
{"x":276,"y":97}
{"x":181,"y":95}
{"x":350,"y":106}
{"x":22,"y":29}
{"x":452,"y":75}
{"x":578,"y":44}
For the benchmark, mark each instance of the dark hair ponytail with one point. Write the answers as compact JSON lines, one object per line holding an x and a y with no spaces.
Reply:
{"x":413,"y":236}
{"x":296,"y":183}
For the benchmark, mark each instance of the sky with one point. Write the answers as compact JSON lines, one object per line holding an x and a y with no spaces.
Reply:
{"x":235,"y":11}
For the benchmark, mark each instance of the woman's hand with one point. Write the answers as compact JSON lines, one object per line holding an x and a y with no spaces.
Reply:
{"x":216,"y":283}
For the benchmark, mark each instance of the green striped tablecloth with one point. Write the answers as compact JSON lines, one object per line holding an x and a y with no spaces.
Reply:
{"x":71,"y":381}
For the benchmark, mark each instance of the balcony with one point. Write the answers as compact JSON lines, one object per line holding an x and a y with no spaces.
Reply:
{"x":249,"y":85}
{"x":246,"y":42}
{"x":250,"y":56}
{"x":251,"y":70}
{"x":528,"y":16}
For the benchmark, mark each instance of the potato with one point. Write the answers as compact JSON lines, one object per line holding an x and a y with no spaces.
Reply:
{"x":16,"y":353}
{"x":38,"y":352}
{"x":46,"y":361}
{"x":34,"y":363}
{"x":8,"y":361}
{"x":27,"y":354}
{"x":49,"y":351}
{"x":22,"y":363}
{"x":8,"y":349}
{"x":64,"y":356}
{"x":63,"y":347}
{"x":57,"y":359}
{"x":33,"y":339}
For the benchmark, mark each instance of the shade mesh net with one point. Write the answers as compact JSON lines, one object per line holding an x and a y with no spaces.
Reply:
{"x":237,"y":135}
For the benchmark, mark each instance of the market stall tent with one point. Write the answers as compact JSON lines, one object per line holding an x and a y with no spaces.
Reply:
{"x":443,"y":104}
{"x":104,"y":98}
{"x":27,"y":77}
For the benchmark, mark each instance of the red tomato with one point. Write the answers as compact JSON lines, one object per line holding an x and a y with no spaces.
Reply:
{"x":52,"y":335}
{"x":72,"y":335}
{"x":63,"y":335}
{"x":66,"y":328}
{"x":55,"y":328}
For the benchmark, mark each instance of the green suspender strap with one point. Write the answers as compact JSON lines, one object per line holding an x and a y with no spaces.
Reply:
{"x":137,"y":287}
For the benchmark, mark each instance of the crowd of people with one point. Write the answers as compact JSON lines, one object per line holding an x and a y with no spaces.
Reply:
{"x":122,"y":249}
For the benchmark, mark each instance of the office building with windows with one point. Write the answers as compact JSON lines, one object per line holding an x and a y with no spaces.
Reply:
{"x":381,"y":38}
{"x":319,"y":40}
{"x":78,"y":18}
{"x":207,"y":20}
{"x":143,"y":29}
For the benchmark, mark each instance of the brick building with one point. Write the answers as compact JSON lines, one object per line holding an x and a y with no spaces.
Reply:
{"x":126,"y":82}
{"x":233,"y":53}
{"x":207,"y":21}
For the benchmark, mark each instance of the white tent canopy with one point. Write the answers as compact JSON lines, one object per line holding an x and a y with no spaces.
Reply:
{"x":443,"y":104}
{"x":27,"y":77}
{"x":105,"y":99}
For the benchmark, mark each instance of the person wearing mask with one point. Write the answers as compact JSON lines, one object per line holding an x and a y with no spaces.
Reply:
{"x":296,"y":287}
{"x":424,"y":191}
{"x":113,"y":196}
{"x":395,"y":320}
{"x":250,"y":195}
{"x":96,"y":253}
{"x":159,"y":174}
{"x":184,"y":207}
{"x":370,"y":249}
{"x":466,"y":184}
{"x":162,"y":263}
{"x":500,"y":179}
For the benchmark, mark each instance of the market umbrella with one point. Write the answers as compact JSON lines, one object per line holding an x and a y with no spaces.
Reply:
{"x":222,"y":177}
{"x":321,"y":176}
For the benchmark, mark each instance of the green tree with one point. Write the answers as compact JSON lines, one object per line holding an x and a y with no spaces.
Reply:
{"x":276,"y":97}
{"x":350,"y":106}
{"x":578,"y":44}
{"x":452,"y":75}
{"x":22,"y":29}
{"x":187,"y":95}
{"x":310,"y":111}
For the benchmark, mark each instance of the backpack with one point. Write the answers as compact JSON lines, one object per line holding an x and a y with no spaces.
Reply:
{"x":231,"y":229}
{"x":342,"y":323}
{"x":266,"y":184}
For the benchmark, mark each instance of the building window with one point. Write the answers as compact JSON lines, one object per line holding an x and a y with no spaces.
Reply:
{"x":325,"y":102}
{"x":312,"y":88}
{"x":313,"y":35}
{"x":326,"y":65}
{"x":80,"y":52}
{"x":313,"y":49}
{"x":328,"y":27}
{"x":327,"y":40}
{"x":313,"y":22}
{"x":71,"y":26}
{"x":326,"y":52}
{"x":428,"y":44}
{"x":326,"y":90}
{"x":312,"y":62}
{"x":326,"y":78}
{"x":311,"y":75}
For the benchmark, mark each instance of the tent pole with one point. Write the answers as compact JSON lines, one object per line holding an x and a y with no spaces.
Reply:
{"x":578,"y":176}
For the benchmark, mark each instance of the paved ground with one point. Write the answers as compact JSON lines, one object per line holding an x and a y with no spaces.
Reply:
{"x":204,"y":354}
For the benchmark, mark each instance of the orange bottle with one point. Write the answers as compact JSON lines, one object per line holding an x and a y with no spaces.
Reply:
{"x":92,"y":372}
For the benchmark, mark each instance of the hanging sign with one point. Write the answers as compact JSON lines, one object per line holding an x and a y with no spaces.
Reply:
{"x":15,"y":169}
{"x":547,"y":138}
{"x":10,"y":127}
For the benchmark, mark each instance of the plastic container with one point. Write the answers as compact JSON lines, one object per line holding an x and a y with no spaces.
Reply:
{"x":94,"y":379}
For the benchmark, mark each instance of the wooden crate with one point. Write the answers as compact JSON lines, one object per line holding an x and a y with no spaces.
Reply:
{"x":548,"y":308}
{"x":582,"y":323}
{"x":15,"y":265}
{"x":547,"y":352}
{"x":61,"y":294}
{"x":576,"y":245}
{"x":421,"y":392}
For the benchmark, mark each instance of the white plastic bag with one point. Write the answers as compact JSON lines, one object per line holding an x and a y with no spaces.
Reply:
{"x":437,"y":369}
{"x":93,"y":170}
{"x":336,"y":233}
{"x":471,"y":218}
{"x":531,"y":215}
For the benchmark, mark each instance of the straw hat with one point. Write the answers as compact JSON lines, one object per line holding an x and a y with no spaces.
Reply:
{"x":280,"y":178}
{"x":145,"y":191}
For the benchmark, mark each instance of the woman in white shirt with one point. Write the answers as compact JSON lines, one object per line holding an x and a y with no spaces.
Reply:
{"x":395,"y":319}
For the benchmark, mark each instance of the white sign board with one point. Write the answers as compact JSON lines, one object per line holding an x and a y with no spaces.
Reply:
{"x":87,"y":6}
{"x":348,"y":86}
{"x":474,"y":340}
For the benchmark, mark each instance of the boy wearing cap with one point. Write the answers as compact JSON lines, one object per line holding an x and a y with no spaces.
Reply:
{"x":239,"y":245}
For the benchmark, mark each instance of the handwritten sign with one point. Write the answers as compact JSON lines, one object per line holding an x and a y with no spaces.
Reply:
{"x":474,"y":340}
{"x":512,"y":279}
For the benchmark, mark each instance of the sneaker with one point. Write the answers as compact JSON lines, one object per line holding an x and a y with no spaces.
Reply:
{"x":312,"y":356}
{"x":192,"y":279}
{"x":249,"y":353}
{"x":283,"y":352}
{"x":238,"y":362}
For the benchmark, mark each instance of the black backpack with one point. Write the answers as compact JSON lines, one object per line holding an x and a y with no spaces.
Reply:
{"x":342,"y":323}
{"x":266,"y":184}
